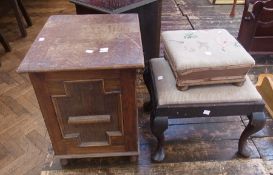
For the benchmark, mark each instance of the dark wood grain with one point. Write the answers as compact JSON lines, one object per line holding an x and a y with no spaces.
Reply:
{"x":129,"y":108}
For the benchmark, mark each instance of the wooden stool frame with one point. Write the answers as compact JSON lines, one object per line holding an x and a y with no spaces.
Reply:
{"x":160,"y":114}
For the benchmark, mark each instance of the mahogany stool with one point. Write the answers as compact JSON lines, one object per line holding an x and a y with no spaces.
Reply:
{"x":203,"y":101}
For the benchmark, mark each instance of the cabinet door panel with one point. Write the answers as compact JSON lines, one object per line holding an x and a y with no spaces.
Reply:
{"x":89,"y":117}
{"x":88,"y":114}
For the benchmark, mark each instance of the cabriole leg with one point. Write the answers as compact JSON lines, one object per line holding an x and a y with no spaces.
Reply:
{"x":256,"y":123}
{"x":158,"y":126}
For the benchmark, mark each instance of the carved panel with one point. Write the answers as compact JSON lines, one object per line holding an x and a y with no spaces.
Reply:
{"x":88,"y":114}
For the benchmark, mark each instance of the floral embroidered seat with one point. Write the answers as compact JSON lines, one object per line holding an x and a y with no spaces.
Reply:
{"x":200,"y":57}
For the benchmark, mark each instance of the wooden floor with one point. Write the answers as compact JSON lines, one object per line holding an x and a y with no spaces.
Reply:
{"x":193,"y":146}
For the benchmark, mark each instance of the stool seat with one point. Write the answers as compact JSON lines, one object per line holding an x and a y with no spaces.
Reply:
{"x":211,"y":56}
{"x":204,"y":101}
{"x":168,"y":94}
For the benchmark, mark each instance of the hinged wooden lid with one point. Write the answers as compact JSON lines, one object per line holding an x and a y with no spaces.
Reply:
{"x":86,"y":42}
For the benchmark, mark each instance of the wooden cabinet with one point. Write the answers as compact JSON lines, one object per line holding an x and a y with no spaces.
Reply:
{"x":83,"y":70}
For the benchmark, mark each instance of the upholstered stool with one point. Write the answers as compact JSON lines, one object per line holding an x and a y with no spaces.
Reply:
{"x":203,"y":101}
{"x":201,"y":57}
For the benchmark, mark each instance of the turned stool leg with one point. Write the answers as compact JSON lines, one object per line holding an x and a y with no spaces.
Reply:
{"x":158,"y":126}
{"x":24,"y":12}
{"x":256,"y":123}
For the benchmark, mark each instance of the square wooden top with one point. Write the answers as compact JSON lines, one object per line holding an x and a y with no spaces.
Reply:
{"x":86,"y":42}
{"x":112,"y":6}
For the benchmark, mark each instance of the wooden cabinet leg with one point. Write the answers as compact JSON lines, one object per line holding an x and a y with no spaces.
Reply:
{"x":64,"y":162}
{"x":239,"y":83}
{"x":183,"y":88}
{"x":158,"y":126}
{"x":133,"y":159}
{"x":256,"y":123}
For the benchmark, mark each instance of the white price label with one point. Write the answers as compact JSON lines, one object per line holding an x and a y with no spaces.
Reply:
{"x":41,"y":39}
{"x":89,"y":51}
{"x":103,"y":50}
{"x":160,"y":78}
{"x":206,"y":112}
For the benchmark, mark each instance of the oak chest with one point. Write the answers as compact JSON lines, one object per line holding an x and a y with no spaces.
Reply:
{"x":83,"y":70}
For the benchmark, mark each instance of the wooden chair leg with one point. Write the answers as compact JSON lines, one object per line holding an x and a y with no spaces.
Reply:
{"x":256,"y":123}
{"x":5,"y":43}
{"x":232,"y":13}
{"x":24,"y":13}
{"x":18,"y":16}
{"x":158,"y":126}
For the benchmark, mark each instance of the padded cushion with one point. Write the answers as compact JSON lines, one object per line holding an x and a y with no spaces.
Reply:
{"x":167,"y":93}
{"x":190,"y":49}
{"x":199,"y":57}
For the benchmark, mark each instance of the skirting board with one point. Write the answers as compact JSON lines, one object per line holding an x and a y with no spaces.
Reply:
{"x":226,"y":1}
